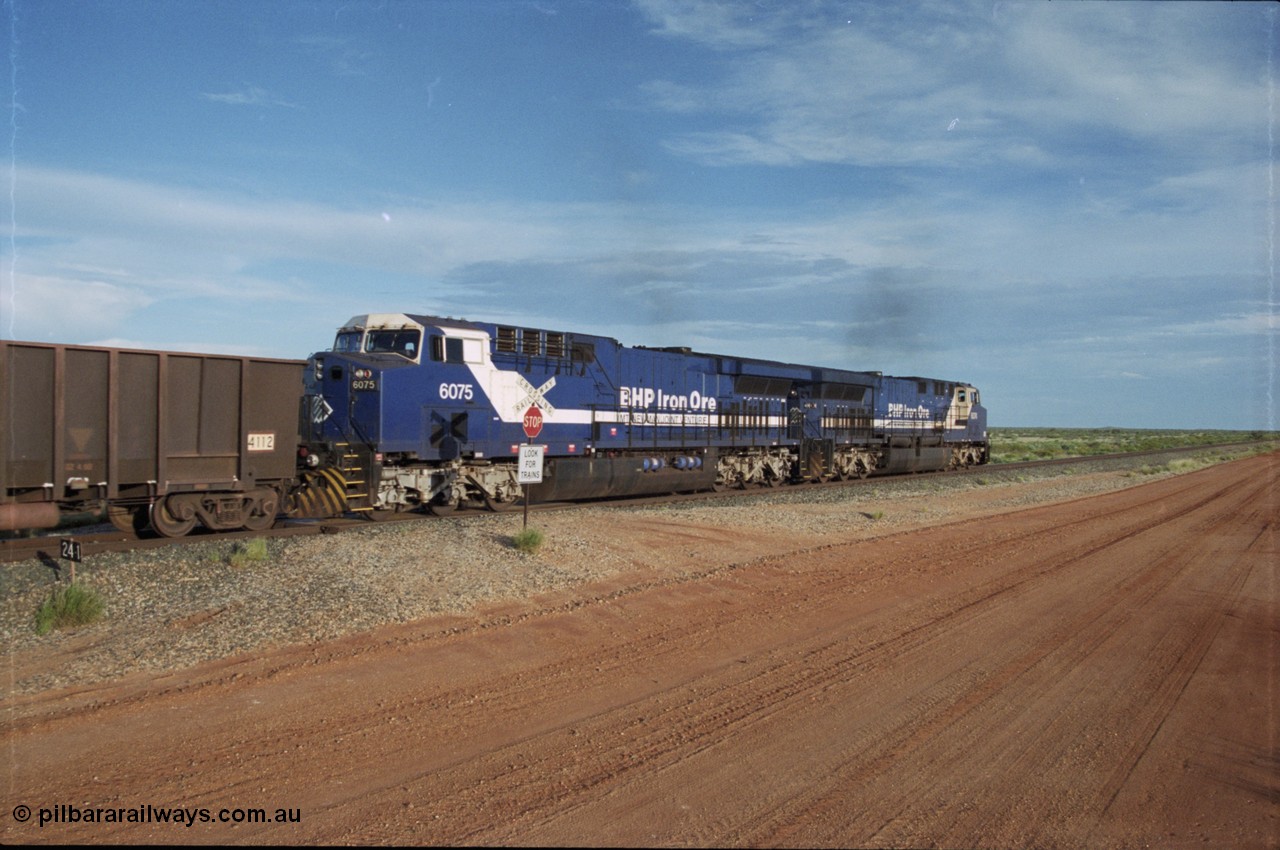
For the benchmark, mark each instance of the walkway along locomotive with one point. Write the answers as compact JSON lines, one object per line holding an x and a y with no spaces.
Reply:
{"x":411,"y":411}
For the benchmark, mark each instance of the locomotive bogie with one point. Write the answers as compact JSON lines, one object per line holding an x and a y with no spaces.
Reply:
{"x":755,"y":467}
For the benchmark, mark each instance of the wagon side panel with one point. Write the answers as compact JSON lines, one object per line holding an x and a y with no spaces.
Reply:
{"x":27,"y":455}
{"x":270,"y":429}
{"x":85,"y":417}
{"x":136,"y":390}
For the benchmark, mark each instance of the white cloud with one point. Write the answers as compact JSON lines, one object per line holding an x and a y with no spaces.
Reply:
{"x":883,"y":89}
{"x":1241,"y":324}
{"x":1161,"y":70}
{"x":730,"y":25}
{"x":50,"y":308}
{"x":341,"y":56}
{"x":171,"y":345}
{"x":249,"y":96}
{"x":92,"y":220}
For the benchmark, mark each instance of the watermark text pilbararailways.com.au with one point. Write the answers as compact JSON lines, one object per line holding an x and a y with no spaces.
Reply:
{"x":65,"y":813}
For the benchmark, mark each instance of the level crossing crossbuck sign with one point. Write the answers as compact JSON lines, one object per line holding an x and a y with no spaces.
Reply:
{"x":536,"y":396}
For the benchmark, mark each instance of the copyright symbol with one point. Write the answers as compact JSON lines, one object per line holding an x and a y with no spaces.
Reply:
{"x":22,"y":814}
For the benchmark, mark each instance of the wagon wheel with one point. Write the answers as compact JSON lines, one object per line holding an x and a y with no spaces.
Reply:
{"x":169,"y":522}
{"x":127,"y":519}
{"x":262,"y":512}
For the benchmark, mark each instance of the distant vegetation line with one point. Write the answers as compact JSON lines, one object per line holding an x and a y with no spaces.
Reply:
{"x":1014,"y":445}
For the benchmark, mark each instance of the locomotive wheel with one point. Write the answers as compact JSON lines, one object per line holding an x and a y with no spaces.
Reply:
{"x":496,"y":506}
{"x":166,"y":523}
{"x":443,"y":506}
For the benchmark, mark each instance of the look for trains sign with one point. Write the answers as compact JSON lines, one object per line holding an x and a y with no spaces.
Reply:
{"x":532,"y":421}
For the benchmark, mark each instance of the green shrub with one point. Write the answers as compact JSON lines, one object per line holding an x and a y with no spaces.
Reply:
{"x":528,"y":541}
{"x":1011,"y":445}
{"x":68,"y":607}
{"x":248,"y":552}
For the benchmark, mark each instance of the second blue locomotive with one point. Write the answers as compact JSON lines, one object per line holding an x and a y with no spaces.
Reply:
{"x":408,"y":411}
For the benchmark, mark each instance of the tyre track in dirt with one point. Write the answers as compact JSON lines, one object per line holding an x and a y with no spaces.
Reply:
{"x":1070,"y":645}
{"x":1142,"y":583}
{"x":724,"y":713}
{"x":894,"y":749}
{"x":723,"y":716}
{"x":1011,"y":681}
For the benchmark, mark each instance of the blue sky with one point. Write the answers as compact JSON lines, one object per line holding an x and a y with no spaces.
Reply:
{"x":1071,"y":205}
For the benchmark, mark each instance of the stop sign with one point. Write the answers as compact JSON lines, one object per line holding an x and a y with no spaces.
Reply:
{"x":532,"y":421}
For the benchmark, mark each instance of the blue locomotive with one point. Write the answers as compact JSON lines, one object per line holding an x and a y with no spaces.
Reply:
{"x":412,"y":411}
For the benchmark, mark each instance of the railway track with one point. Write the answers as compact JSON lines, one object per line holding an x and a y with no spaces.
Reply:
{"x":94,"y":540}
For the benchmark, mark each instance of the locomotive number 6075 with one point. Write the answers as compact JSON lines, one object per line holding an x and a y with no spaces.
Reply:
{"x":457,"y":392}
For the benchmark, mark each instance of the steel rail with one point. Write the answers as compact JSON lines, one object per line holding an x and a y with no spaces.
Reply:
{"x":95,"y":541}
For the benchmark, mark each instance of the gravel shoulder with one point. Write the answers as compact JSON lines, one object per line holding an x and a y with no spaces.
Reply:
{"x":171,"y":609}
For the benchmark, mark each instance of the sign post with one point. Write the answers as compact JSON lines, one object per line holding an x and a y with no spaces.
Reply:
{"x":529,"y":470}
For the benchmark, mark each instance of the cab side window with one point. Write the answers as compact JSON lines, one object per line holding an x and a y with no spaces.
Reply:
{"x":447,"y":349}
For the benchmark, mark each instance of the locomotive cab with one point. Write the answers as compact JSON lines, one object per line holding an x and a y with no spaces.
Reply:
{"x":962,"y":402}
{"x":345,"y":385}
{"x":392,"y":395}
{"x":404,"y":341}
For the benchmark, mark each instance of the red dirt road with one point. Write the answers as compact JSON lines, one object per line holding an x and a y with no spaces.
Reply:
{"x":1097,"y":673}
